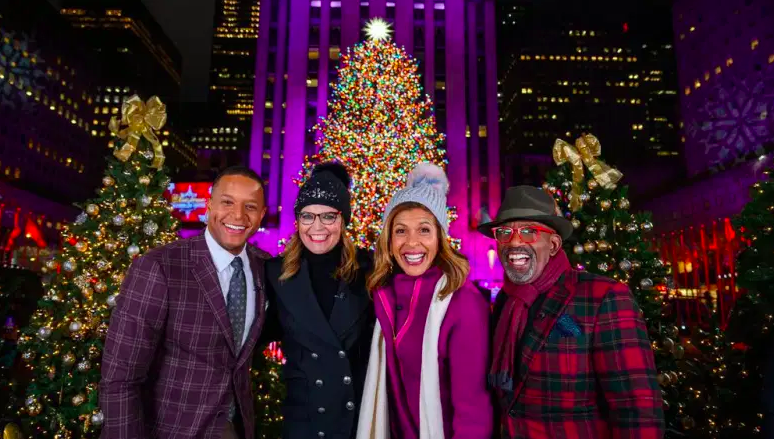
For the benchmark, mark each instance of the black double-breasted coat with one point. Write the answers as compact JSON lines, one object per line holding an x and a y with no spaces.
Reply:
{"x":326,"y":359}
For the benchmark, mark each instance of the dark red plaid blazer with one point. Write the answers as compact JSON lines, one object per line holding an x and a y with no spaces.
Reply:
{"x":169,"y":368}
{"x":599,"y":385}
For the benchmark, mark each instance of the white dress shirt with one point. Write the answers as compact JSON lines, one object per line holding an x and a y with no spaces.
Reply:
{"x":222,"y":259}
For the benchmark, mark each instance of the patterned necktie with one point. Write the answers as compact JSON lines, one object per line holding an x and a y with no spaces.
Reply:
{"x":237,"y":301}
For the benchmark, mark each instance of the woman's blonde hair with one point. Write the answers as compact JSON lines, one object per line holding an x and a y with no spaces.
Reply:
{"x":347,"y":270}
{"x":451,"y":262}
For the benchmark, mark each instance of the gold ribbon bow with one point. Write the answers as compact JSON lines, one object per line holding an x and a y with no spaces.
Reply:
{"x":141,"y":120}
{"x":586,"y":148}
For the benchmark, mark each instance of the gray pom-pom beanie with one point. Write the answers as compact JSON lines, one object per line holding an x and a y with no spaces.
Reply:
{"x":427,"y":185}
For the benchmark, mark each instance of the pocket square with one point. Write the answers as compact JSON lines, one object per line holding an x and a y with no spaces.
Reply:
{"x":566,"y":327}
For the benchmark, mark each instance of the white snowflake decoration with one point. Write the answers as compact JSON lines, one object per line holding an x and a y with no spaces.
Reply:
{"x":735,"y":121}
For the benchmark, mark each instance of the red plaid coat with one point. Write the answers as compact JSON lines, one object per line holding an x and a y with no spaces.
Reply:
{"x":169,"y":368}
{"x":599,"y":385}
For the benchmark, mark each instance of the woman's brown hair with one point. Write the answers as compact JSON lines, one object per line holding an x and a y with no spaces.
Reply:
{"x":347,"y":270}
{"x":451,"y":262}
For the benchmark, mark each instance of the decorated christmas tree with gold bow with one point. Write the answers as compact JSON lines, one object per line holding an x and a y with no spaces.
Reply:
{"x":63,"y":344}
{"x":612,"y":241}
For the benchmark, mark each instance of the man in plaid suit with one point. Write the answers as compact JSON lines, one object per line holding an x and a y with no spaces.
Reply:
{"x":571,"y":354}
{"x":177,"y":358}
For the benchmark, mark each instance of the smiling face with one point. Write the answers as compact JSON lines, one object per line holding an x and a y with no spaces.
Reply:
{"x":414,"y":240}
{"x":235,"y":211}
{"x":525,"y":262}
{"x":318,"y":236}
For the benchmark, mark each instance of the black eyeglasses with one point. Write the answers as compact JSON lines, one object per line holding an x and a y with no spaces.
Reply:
{"x":327,"y":218}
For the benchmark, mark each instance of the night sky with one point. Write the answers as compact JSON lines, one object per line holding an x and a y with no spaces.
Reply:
{"x":189,"y":24}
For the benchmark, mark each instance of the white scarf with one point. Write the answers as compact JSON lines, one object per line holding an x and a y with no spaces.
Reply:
{"x":374,"y":421}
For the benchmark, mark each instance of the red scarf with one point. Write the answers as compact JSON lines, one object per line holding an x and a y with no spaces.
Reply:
{"x":513,"y":319}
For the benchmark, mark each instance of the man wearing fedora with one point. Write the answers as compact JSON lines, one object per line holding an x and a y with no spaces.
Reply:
{"x":571,"y":354}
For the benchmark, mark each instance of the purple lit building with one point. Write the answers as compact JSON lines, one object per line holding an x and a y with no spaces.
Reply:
{"x":454,"y":41}
{"x":725,"y":56}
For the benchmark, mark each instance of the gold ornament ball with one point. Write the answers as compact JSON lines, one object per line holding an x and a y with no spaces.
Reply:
{"x":108,"y":181}
{"x":100,"y":287}
{"x":68,"y":359}
{"x":136,"y":218}
{"x":92,"y":209}
{"x":605,"y":204}
{"x":592,"y":184}
{"x":575,"y":223}
{"x":589,"y":247}
{"x":663,"y":379}
{"x":102,"y":265}
{"x":636,"y":264}
{"x":603,"y":246}
{"x":688,"y":422}
{"x":673,"y":376}
{"x":623,"y":203}
{"x":78,"y":399}
{"x":122,"y":202}
{"x":145,"y":180}
{"x":117,"y":277}
{"x":87,"y":292}
{"x":111,"y":246}
{"x":34,"y":409}
{"x":577,"y":249}
{"x":93,"y":352}
{"x":63,"y":434}
{"x":102,"y":330}
{"x":669,"y":344}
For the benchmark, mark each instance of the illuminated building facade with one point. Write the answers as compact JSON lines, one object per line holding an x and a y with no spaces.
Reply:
{"x":725,"y":53}
{"x":136,"y":57}
{"x":567,"y":69}
{"x":454,"y":41}
{"x":725,"y":59}
{"x":232,"y":71}
{"x":45,"y":105}
{"x":48,"y":158}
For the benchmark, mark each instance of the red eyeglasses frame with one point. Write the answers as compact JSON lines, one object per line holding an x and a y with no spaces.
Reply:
{"x":517,"y":231}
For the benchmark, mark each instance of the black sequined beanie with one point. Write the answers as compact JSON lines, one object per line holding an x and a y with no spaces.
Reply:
{"x":329,"y":186}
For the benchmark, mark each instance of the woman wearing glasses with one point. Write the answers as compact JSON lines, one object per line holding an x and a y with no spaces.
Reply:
{"x":321,"y":312}
{"x":429,"y":354}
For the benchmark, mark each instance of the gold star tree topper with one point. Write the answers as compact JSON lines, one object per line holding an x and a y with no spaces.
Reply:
{"x":378,"y":29}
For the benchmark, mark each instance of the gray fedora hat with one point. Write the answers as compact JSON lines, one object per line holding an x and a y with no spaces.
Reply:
{"x":528,"y":203}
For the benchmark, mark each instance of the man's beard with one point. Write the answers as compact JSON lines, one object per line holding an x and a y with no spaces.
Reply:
{"x":519,"y":277}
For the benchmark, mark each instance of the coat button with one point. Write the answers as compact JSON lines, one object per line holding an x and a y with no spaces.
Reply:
{"x":541,"y":315}
{"x":347,"y":380}
{"x":342,"y":354}
{"x":321,"y":434}
{"x":318,"y":383}
{"x":512,"y":413}
{"x":321,"y":410}
{"x":315,"y":356}
{"x":350,"y":405}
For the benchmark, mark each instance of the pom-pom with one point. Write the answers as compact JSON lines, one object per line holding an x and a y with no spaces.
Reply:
{"x":335,"y":168}
{"x":431,"y":175}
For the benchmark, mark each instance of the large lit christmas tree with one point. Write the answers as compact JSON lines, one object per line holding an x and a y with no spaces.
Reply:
{"x":379,"y":126}
{"x":751,"y":325}
{"x":611,"y":241}
{"x":63,"y":344}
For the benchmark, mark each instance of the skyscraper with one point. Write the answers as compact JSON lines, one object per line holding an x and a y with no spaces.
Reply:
{"x":135,"y":57}
{"x":574,"y":67}
{"x":454,"y":41}
{"x":725,"y":52}
{"x":232,"y":70}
